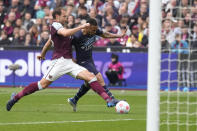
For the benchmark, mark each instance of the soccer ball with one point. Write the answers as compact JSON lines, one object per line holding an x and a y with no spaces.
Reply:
{"x":122,"y":107}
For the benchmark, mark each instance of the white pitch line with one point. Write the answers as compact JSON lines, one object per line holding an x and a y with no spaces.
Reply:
{"x":59,"y":122}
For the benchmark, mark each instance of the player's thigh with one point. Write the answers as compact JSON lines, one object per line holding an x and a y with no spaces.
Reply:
{"x":79,"y":72}
{"x":100,"y":79}
{"x":85,"y":75}
{"x":57,"y":68}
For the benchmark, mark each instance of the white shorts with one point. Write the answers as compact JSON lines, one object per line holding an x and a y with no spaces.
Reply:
{"x":62,"y":66}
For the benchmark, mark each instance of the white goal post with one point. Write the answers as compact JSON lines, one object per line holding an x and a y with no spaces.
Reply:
{"x":154,"y":51}
{"x":172,"y":66}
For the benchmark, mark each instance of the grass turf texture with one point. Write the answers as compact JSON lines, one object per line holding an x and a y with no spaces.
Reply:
{"x":48,"y":110}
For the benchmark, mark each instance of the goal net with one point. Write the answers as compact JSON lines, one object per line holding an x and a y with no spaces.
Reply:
{"x":178,"y":98}
{"x":178,"y":67}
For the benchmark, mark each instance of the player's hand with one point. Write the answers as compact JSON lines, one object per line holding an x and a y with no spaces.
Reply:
{"x":39,"y":57}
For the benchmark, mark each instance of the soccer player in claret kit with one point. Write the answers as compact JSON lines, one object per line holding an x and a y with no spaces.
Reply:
{"x":83,"y":41}
{"x":62,"y":62}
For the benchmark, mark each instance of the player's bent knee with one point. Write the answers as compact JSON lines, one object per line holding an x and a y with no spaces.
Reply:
{"x":44,"y":84}
{"x":90,"y":74}
{"x":92,"y":80}
{"x":85,"y":75}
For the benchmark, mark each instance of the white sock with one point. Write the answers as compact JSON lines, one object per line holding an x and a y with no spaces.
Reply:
{"x":94,"y":79}
{"x":39,"y":86}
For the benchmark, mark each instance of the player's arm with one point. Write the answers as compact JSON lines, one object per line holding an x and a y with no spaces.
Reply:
{"x":110,"y":35}
{"x":45,"y":49}
{"x":68,"y":32}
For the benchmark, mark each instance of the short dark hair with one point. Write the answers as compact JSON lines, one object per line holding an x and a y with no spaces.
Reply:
{"x":82,"y":7}
{"x":57,"y":11}
{"x":113,"y":55}
{"x":92,"y":21}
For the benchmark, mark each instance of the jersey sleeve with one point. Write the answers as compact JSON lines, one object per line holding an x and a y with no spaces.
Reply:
{"x":99,"y":32}
{"x":57,"y":26}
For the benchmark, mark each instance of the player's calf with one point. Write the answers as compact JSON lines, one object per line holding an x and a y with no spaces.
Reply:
{"x":92,"y":81}
{"x":82,"y":91}
{"x":31,"y":88}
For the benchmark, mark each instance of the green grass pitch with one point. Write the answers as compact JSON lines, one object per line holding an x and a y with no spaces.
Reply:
{"x":48,"y":110}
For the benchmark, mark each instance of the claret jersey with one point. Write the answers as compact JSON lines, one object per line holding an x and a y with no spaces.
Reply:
{"x":62,"y":44}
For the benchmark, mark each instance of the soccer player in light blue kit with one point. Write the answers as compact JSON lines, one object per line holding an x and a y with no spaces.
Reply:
{"x":83,"y":41}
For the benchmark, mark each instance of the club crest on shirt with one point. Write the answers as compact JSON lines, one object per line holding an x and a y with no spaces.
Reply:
{"x":86,"y":48}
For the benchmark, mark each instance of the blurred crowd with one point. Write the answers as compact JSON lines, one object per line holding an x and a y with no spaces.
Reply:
{"x":27,"y":22}
{"x":179,"y":25}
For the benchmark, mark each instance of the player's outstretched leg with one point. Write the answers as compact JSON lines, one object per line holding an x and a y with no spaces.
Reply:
{"x":108,"y":92}
{"x":31,"y":88}
{"x":73,"y":101}
{"x":101,"y":91}
{"x":111,"y":95}
{"x":82,"y":91}
{"x":94,"y":84}
{"x":101,"y":81}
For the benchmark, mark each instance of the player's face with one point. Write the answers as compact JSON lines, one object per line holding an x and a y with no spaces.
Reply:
{"x":91,"y":30}
{"x":63,"y":17}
